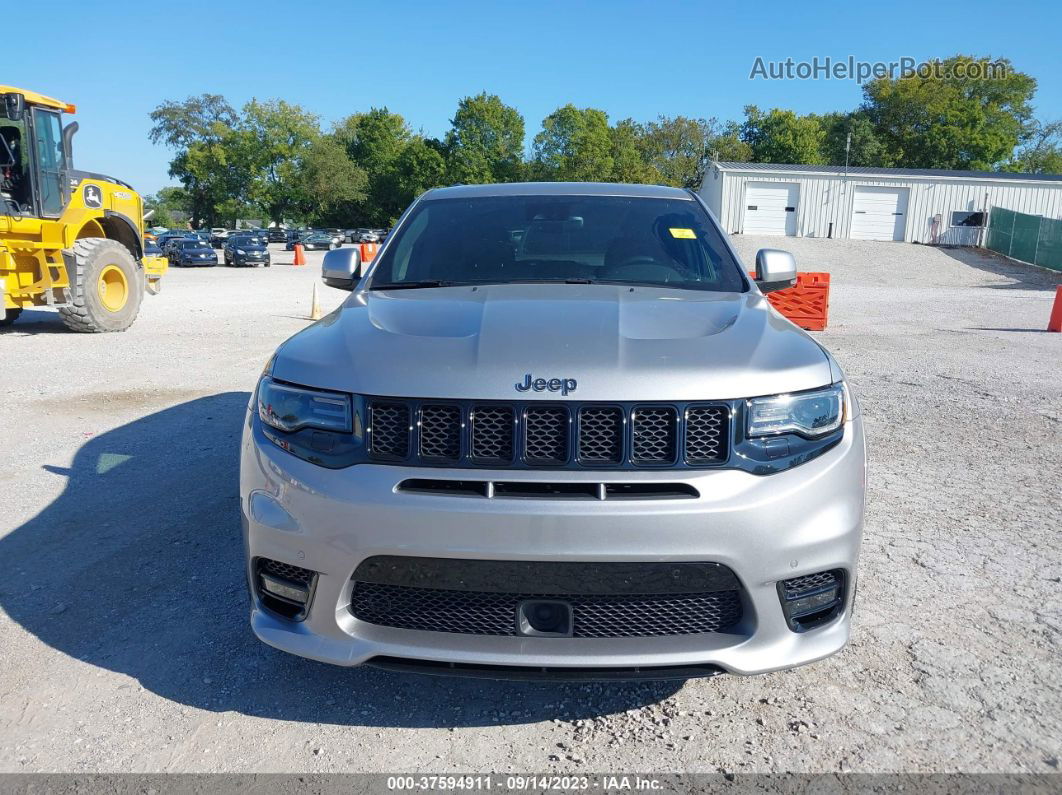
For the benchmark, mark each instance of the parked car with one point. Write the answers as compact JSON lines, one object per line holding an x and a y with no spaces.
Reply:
{"x":173,"y":243}
{"x":193,"y":252}
{"x":277,"y":235}
{"x":315,"y":241}
{"x":679,"y":471}
{"x":166,"y":238}
{"x":218,"y":237}
{"x":364,"y":236}
{"x":246,"y":250}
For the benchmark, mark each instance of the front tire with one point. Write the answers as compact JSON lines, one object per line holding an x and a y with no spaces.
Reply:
{"x":106,"y":287}
{"x":9,"y":317}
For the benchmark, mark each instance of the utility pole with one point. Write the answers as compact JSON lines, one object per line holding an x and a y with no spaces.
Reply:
{"x":847,"y":146}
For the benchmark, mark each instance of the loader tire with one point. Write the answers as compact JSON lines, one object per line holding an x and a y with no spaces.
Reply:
{"x":10,"y":316}
{"x":106,"y":287}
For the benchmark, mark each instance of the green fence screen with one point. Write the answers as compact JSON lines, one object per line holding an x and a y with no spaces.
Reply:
{"x":1029,"y":238}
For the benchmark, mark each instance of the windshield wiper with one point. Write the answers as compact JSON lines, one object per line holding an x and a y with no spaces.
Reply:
{"x":543,"y":281}
{"x":413,"y":285}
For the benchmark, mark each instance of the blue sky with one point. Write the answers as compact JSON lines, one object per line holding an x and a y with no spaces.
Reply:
{"x":116,"y":60}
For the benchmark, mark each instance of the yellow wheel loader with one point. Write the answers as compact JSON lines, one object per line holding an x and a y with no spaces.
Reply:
{"x":69,"y":239}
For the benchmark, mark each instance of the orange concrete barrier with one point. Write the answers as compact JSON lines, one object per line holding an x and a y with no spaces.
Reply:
{"x":807,"y":304}
{"x":1055,"y":323}
{"x":368,"y":251}
{"x":300,"y":255}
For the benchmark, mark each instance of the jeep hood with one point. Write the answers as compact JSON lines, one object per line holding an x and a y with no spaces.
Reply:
{"x":617,"y":342}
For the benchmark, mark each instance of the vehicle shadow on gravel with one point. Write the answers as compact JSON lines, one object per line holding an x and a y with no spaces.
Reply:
{"x":138,"y":568}
{"x":36,"y":321}
{"x":1026,"y":277}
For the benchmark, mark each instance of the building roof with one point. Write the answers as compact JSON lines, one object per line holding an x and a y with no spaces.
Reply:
{"x":864,"y":171}
{"x":558,"y":189}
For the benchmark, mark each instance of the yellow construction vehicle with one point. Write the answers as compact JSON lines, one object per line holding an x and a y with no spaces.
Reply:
{"x":69,"y":239}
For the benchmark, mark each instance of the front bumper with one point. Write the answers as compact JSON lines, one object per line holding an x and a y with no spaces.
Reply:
{"x":766,"y":529}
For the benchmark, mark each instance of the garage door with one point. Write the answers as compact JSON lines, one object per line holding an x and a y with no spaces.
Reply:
{"x":770,"y":208}
{"x":879,"y":213}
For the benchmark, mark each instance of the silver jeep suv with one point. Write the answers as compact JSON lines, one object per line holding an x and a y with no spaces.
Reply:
{"x":555,"y":431}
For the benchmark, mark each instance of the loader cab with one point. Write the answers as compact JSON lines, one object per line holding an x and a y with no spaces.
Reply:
{"x":34,"y":158}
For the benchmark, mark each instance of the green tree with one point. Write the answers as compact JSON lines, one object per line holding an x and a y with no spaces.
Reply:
{"x":950,"y":119}
{"x":574,"y":146}
{"x":166,"y":205}
{"x":679,"y":148}
{"x":330,"y":184}
{"x":374,"y":141}
{"x":630,"y":162}
{"x":781,"y":136}
{"x":418,"y":168}
{"x":865,"y":149}
{"x":485,"y":142}
{"x":273,"y":139}
{"x":1041,"y":152}
{"x":725,"y":144}
{"x":198,"y":130}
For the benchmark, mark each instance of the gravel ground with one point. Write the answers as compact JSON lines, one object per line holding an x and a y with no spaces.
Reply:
{"x":124,"y":643}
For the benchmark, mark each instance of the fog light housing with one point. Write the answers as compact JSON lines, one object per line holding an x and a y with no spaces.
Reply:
{"x":813,"y":599}
{"x":299,"y":594}
{"x":284,"y":588}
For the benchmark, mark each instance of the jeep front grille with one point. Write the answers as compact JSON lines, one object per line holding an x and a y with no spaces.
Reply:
{"x":569,"y":435}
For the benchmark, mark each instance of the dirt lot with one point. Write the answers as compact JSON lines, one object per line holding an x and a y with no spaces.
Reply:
{"x":124,"y":643}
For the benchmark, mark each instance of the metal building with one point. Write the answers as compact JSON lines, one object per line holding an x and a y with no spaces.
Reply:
{"x":912,"y":204}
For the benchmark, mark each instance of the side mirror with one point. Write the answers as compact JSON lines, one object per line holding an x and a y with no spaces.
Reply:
{"x":14,"y":105}
{"x":775,"y":270}
{"x":342,"y":268}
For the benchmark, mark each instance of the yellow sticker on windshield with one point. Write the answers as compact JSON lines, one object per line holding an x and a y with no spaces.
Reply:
{"x":682,"y":234}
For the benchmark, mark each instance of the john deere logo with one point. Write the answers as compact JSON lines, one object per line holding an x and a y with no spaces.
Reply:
{"x":93,"y":196}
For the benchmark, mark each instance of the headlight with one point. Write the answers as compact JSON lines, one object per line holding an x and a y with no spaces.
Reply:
{"x":811,"y":414}
{"x":240,"y":251}
{"x":290,"y":408}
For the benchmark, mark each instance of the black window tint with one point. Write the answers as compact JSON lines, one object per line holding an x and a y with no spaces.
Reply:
{"x":646,"y":241}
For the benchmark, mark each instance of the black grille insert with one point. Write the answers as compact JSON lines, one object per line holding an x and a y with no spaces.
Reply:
{"x":707,"y":428}
{"x":286,"y":571}
{"x":389,"y":429}
{"x":440,"y":432}
{"x":593,"y":615}
{"x":600,"y":435}
{"x":546,"y":435}
{"x":655,"y":431}
{"x":492,"y":434}
{"x":810,"y":583}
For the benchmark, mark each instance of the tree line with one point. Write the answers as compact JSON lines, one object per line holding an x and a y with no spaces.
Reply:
{"x":273,"y":158}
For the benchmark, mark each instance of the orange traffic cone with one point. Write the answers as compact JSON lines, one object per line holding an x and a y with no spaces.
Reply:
{"x":1055,"y":323}
{"x":368,"y":251}
{"x":300,"y":256}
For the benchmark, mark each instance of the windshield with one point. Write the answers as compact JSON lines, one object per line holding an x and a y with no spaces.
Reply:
{"x":191,"y":244}
{"x":610,"y":239}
